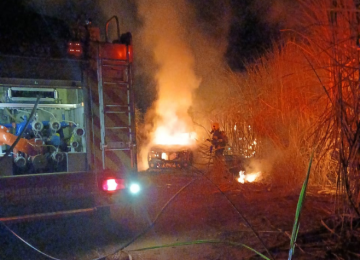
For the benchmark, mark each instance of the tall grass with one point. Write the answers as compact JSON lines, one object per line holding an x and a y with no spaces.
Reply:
{"x":333,"y":39}
{"x":272,"y":111}
{"x":296,"y":225}
{"x":303,"y":91}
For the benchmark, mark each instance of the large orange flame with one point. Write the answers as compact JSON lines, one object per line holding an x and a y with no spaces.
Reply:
{"x":162,"y":136}
{"x":165,"y":32}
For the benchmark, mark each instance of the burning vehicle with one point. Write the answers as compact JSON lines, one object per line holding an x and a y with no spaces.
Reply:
{"x":170,"y":156}
{"x":171,"y":150}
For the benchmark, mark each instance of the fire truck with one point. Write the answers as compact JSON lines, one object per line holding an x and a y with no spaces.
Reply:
{"x":67,"y":126}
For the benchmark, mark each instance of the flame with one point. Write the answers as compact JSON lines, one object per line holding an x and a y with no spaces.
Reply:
{"x":162,"y":136}
{"x":249,"y":177}
{"x":176,"y":81}
{"x":164,"y":156}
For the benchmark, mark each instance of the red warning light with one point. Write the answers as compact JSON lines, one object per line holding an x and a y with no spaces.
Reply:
{"x":75,"y":49}
{"x":113,"y":184}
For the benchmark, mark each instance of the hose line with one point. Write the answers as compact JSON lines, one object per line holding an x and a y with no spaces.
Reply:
{"x":150,"y":226}
{"x":23,"y":130}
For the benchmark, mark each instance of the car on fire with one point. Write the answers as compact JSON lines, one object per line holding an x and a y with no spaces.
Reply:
{"x":170,"y":156}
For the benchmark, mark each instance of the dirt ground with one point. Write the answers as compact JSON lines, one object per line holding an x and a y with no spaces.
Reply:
{"x":270,"y":211}
{"x":193,"y":214}
{"x":216,"y":215}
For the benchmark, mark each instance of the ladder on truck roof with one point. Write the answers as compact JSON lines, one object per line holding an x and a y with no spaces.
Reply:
{"x":116,"y":107}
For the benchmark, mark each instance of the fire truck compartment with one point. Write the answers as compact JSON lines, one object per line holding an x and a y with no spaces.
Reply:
{"x":67,"y":124}
{"x":53,"y":140}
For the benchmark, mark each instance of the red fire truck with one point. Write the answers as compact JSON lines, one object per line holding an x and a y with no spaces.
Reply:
{"x":67,"y":127}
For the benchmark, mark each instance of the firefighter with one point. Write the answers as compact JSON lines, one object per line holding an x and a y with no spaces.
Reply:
{"x":217,"y":140}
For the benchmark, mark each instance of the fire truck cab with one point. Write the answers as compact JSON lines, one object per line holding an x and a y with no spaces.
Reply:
{"x":67,"y":127}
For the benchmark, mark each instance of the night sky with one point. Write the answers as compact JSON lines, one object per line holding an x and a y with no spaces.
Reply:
{"x":247,"y":33}
{"x":248,"y":37}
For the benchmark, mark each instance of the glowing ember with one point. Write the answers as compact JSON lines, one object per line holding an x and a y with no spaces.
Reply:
{"x":249,"y":177}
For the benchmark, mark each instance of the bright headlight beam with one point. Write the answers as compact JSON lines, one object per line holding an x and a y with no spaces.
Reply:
{"x":134,"y":188}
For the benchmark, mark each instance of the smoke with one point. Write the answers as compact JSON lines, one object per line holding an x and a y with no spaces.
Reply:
{"x":179,"y":48}
{"x":165,"y":34}
{"x":284,"y":13}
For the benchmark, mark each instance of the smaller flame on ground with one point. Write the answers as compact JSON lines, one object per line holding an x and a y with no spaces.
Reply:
{"x":249,"y":177}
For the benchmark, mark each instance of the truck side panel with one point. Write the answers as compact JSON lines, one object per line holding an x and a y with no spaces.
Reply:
{"x":36,"y":194}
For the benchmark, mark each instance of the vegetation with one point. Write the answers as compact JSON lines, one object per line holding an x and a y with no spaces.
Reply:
{"x":303,"y":96}
{"x":301,"y":99}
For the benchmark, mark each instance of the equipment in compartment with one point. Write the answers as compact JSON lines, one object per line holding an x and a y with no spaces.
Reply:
{"x":54,"y":130}
{"x":6,"y":168}
{"x":76,"y":162}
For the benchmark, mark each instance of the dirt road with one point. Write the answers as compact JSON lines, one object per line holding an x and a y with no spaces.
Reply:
{"x":202,"y":217}
{"x":181,"y":215}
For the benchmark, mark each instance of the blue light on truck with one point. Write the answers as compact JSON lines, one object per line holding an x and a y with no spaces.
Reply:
{"x":134,"y":188}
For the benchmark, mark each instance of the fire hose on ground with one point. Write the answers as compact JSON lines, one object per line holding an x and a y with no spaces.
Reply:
{"x":197,"y":241}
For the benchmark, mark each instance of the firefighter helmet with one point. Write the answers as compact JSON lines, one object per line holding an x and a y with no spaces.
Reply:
{"x":215,"y":126}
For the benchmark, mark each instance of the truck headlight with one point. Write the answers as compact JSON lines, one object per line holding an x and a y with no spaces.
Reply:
{"x":134,"y":188}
